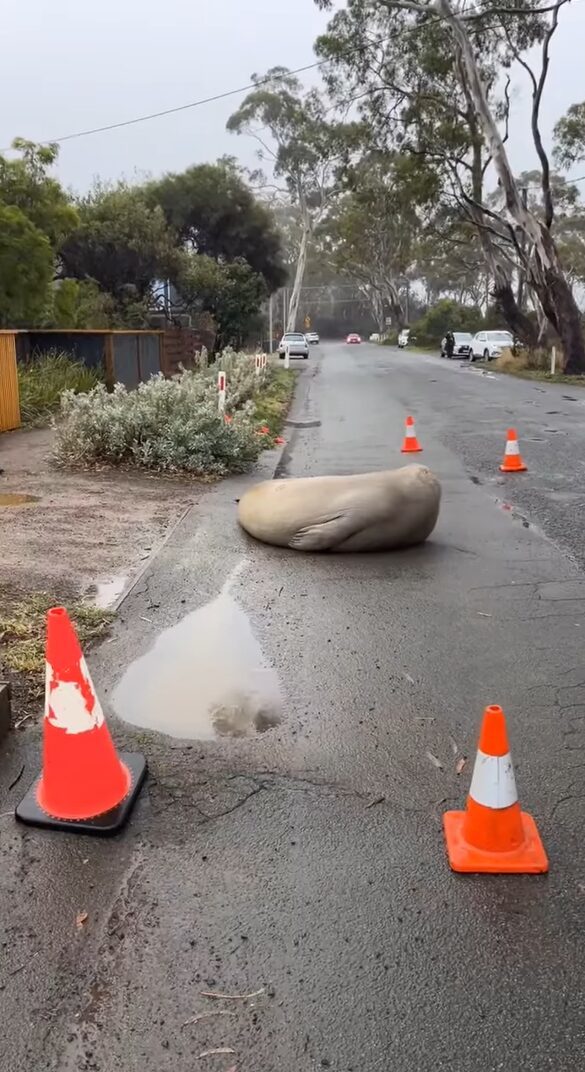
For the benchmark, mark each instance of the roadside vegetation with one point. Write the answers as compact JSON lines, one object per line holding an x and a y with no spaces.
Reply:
{"x":174,"y":426}
{"x":42,"y":382}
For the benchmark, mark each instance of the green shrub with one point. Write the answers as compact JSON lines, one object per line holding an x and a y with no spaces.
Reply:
{"x":446,"y":315}
{"x":42,"y":382}
{"x":166,"y":425}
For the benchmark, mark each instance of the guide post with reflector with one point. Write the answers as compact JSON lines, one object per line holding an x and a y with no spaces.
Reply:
{"x":221,"y":391}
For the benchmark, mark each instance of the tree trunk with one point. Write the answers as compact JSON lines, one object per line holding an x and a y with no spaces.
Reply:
{"x":396,"y":307}
{"x":293,"y":308}
{"x":518,"y":322}
{"x":561,"y":310}
{"x":377,"y":304}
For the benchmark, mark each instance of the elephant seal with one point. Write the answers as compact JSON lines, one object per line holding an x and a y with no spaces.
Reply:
{"x":368,"y":512}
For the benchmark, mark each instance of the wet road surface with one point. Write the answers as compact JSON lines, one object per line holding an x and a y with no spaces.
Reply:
{"x":305,"y":861}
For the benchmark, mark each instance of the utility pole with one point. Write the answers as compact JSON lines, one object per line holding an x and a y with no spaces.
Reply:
{"x":270,"y":325}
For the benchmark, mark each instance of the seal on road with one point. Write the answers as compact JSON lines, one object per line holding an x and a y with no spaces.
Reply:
{"x":380,"y":511}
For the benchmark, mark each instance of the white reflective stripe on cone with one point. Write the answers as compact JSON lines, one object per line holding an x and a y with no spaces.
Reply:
{"x":512,"y":447}
{"x":493,"y":783}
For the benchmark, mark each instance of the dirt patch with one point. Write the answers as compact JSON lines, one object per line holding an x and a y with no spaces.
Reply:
{"x":72,"y":535}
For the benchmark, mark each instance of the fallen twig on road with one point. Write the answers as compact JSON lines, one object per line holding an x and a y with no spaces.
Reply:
{"x":378,"y":800}
{"x":18,"y":777}
{"x":206,"y":1016}
{"x":436,"y":762}
{"x":212,"y":1053}
{"x":232,"y":997}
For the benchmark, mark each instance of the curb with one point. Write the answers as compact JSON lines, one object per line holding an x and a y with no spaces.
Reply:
{"x":4,"y":709}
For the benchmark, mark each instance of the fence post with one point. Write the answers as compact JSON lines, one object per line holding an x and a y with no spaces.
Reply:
{"x":553,"y":361}
{"x":286,"y":356}
{"x":258,"y":364}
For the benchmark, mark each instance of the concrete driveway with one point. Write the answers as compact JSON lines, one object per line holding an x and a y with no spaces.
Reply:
{"x":303,"y":872}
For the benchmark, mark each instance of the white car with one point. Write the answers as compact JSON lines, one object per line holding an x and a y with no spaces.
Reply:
{"x":296,"y":343}
{"x":312,"y":337}
{"x":489,"y":344}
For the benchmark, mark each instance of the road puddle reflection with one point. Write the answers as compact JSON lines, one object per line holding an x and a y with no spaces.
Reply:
{"x":204,"y":678}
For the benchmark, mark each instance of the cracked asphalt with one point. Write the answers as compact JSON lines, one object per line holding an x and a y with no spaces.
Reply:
{"x":303,"y":873}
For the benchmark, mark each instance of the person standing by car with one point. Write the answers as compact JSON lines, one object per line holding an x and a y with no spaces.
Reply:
{"x":449,"y":344}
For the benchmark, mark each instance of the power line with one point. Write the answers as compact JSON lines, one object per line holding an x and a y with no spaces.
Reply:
{"x":241,"y":89}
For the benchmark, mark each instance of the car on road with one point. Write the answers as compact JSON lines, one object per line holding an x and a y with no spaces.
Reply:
{"x":463,"y":341}
{"x":353,"y":338}
{"x":297,"y":345}
{"x":312,"y":337}
{"x":403,"y":338}
{"x":489,"y":344}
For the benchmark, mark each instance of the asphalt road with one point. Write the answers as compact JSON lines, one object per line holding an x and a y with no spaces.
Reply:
{"x":308,"y":863}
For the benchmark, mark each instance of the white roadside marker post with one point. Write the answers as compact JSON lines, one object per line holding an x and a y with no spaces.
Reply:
{"x":221,"y":389}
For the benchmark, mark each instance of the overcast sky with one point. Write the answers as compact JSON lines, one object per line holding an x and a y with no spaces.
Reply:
{"x":69,"y":64}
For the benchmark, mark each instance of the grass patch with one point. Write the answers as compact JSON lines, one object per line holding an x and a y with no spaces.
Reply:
{"x":22,"y":641}
{"x":42,"y":382}
{"x":528,"y":365}
{"x":22,"y":630}
{"x":272,"y":403}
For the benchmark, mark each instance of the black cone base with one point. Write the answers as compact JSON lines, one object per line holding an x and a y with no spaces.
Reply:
{"x":30,"y":812}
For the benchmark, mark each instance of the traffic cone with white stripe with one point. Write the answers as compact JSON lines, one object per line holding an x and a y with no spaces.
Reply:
{"x":512,"y":462}
{"x":411,"y":444}
{"x":84,"y":786}
{"x":493,"y":835}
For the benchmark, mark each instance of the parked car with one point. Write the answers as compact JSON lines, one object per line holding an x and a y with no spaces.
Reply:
{"x":403,"y":338}
{"x":463,"y":341}
{"x":374,"y":337}
{"x":353,"y":338}
{"x":297,"y":345}
{"x":312,"y":337}
{"x":489,"y":344}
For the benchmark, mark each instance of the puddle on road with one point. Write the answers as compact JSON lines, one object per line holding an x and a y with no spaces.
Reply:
{"x":203,"y":678}
{"x":107,"y":592}
{"x":16,"y":498}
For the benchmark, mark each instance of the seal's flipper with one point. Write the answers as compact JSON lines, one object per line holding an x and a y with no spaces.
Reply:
{"x":324,"y":535}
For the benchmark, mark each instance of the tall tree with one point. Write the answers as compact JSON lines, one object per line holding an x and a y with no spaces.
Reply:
{"x":214,"y":212}
{"x":303,"y":148}
{"x":122,"y":243}
{"x":26,"y":269}
{"x":569,"y":136}
{"x":232,"y":292}
{"x":25,"y":184}
{"x":467,"y":126}
{"x":372,"y":229}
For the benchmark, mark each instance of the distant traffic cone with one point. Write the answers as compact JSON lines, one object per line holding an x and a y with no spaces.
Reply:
{"x":493,"y":835}
{"x":84,"y":785}
{"x":512,"y":462}
{"x":411,"y":444}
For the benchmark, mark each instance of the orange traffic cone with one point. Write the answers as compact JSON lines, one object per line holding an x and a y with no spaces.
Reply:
{"x":411,"y":444}
{"x":493,"y":835}
{"x":512,"y":462}
{"x":84,"y":785}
